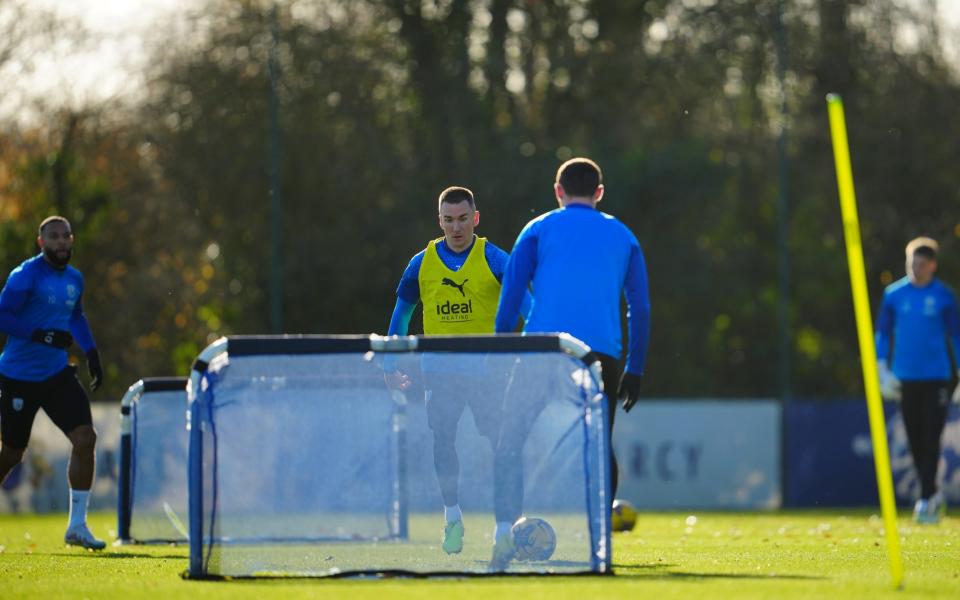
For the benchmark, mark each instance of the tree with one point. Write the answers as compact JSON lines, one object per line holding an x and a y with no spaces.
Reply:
{"x":383,"y":104}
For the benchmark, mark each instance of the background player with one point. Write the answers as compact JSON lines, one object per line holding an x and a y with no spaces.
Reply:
{"x":41,"y":311}
{"x":919,"y":319}
{"x":457,"y":277}
{"x":581,"y":262}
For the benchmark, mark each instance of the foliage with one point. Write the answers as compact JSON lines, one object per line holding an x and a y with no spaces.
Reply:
{"x":384,"y":103}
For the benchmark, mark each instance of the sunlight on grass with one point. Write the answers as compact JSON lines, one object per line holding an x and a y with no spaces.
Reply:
{"x":836,"y":554}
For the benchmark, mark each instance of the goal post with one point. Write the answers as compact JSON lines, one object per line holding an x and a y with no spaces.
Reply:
{"x":303,"y":461}
{"x":152,"y":480}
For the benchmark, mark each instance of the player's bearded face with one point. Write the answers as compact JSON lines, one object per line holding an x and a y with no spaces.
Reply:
{"x":57,"y":243}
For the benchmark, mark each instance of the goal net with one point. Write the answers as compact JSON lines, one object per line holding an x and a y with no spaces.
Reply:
{"x":152,"y":498}
{"x":336,"y":455}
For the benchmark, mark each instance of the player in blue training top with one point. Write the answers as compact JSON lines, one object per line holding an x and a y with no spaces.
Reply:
{"x":41,"y":312}
{"x":457,"y":277}
{"x":580,"y":262}
{"x":919,"y":318}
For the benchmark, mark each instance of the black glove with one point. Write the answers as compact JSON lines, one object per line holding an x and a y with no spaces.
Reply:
{"x":57,"y":338}
{"x":629,"y":390}
{"x":96,"y":371}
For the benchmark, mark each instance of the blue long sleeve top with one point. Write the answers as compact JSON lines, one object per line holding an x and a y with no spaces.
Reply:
{"x":914,"y":327}
{"x":580,"y":262}
{"x":39,"y":296}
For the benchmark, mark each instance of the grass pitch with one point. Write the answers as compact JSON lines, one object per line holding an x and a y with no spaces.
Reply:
{"x":823,"y":554}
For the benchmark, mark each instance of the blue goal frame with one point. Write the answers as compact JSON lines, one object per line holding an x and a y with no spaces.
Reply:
{"x":126,"y":480}
{"x":198,"y":422}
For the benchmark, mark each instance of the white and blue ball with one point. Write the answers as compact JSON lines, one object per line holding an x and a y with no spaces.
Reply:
{"x":534,"y":539}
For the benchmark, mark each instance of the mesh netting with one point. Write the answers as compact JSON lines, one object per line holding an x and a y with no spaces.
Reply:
{"x":153,"y":498}
{"x":309,"y":464}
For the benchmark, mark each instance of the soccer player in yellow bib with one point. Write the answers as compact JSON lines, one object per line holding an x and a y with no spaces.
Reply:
{"x":457,"y":278}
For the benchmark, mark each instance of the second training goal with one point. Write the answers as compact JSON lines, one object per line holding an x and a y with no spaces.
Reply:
{"x":152,"y":482}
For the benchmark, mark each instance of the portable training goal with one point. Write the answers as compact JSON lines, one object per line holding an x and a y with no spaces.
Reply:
{"x":152,"y":498}
{"x":303,"y":461}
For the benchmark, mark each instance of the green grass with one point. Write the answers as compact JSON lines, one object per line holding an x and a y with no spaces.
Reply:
{"x":836,"y":554}
{"x":420,"y":552}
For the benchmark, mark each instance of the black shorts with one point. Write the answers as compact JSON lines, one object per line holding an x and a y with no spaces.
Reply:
{"x":62,"y":397}
{"x":933,"y":393}
{"x":449,"y":394}
{"x":611,"y":372}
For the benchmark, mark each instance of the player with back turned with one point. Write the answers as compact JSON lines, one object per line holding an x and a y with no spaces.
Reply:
{"x":41,"y":312}
{"x":580,"y":263}
{"x":457,"y":277}
{"x":918,"y":320}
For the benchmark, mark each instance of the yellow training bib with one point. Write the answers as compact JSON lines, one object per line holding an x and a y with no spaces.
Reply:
{"x":458,"y":302}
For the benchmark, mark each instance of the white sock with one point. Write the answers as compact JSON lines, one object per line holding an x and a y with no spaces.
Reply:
{"x":452,"y":514}
{"x":503,"y":528}
{"x":78,"y":507}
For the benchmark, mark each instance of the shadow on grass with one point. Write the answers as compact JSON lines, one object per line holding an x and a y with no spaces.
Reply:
{"x":652,"y":572}
{"x":658,"y":571}
{"x":104,"y":554}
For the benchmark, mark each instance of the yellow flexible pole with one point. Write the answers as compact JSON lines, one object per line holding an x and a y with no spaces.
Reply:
{"x":868,"y":357}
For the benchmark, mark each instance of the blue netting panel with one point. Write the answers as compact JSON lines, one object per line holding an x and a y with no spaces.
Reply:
{"x":310,"y":465}
{"x":158,"y":474}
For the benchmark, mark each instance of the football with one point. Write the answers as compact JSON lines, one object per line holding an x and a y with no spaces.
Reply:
{"x":534,"y":539}
{"x":623,"y":517}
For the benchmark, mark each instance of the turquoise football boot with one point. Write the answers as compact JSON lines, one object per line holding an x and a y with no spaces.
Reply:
{"x":453,"y":537}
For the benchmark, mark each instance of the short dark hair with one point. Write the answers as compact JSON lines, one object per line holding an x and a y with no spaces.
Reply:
{"x":54,"y":219}
{"x":924,"y":246}
{"x":455,"y":195}
{"x":579,"y":177}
